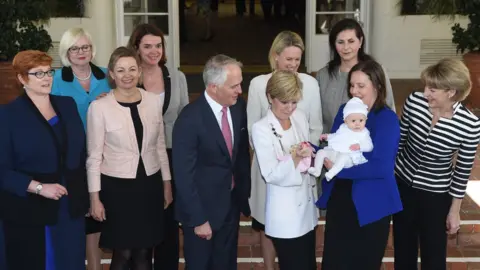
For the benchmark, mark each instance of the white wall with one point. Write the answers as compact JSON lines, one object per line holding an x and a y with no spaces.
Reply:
{"x":99,"y":22}
{"x":395,"y":39}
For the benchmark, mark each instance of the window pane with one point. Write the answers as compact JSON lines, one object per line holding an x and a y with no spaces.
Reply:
{"x":145,"y":5}
{"x":325,"y":22}
{"x":132,"y":21}
{"x":337,"y":5}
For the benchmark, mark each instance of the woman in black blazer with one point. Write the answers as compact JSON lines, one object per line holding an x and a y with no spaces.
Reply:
{"x":43,"y":188}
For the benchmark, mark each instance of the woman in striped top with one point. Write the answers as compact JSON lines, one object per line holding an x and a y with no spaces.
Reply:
{"x":435,"y":127}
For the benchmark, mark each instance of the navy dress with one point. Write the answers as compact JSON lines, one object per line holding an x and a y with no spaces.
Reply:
{"x":65,"y":241}
{"x":40,"y":233}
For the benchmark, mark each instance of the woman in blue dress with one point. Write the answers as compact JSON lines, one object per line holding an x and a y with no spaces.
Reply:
{"x":80,"y":79}
{"x":43,"y":188}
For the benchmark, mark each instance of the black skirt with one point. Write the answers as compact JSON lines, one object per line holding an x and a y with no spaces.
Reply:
{"x":257,"y":225}
{"x":348,"y":246}
{"x":134,"y":212}
{"x":92,"y":226}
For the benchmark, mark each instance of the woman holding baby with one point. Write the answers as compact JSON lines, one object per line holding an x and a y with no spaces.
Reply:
{"x":290,"y":216}
{"x":362,"y":198}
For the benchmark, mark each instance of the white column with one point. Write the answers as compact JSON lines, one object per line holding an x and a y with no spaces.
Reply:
{"x":102,"y":28}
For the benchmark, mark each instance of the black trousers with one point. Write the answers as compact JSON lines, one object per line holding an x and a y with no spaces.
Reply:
{"x":296,"y":253}
{"x":166,"y":254}
{"x":422,"y":221}
{"x":218,"y":253}
{"x":347,"y":245}
{"x":240,"y":6}
{"x":267,"y":8}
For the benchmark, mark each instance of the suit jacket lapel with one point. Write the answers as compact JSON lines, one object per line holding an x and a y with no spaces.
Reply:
{"x":212,"y":126}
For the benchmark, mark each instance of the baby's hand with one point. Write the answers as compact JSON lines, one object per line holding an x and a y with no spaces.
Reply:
{"x":304,"y":150}
{"x":355,"y":147}
{"x":323,"y":137}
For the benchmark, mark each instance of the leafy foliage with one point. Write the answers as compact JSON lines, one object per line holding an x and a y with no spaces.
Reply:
{"x":21,"y":27}
{"x":467,"y":39}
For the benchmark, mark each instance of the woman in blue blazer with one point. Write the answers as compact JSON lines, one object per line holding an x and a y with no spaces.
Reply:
{"x":361,"y":199}
{"x":79,"y":78}
{"x":43,"y":187}
{"x":84,"y":82}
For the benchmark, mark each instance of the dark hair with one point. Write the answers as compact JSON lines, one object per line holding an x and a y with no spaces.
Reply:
{"x":147,"y":29}
{"x":345,"y":24}
{"x":118,"y":53}
{"x":375,"y":73}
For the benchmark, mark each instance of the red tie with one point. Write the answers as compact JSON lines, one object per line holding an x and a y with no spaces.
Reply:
{"x":227,"y":134}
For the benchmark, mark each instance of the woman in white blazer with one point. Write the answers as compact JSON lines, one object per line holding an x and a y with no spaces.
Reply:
{"x":291,"y":215}
{"x":285,"y":54}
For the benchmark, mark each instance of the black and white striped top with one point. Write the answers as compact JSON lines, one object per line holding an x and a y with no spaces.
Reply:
{"x":426,"y":155}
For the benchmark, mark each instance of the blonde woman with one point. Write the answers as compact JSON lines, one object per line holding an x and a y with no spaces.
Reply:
{"x":285,"y":54}
{"x":435,"y":128}
{"x":127,"y":165}
{"x":291,"y":215}
{"x":80,"y":79}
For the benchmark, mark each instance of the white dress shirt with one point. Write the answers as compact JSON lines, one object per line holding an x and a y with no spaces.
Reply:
{"x":217,"y":110}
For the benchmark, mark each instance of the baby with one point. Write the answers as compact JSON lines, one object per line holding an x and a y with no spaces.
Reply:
{"x":345,"y":146}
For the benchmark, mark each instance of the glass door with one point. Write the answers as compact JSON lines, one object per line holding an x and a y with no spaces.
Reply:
{"x":162,"y":13}
{"x":321,"y":16}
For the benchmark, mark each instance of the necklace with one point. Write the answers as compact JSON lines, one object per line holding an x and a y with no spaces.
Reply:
{"x":83,"y":79}
{"x":279,"y":137}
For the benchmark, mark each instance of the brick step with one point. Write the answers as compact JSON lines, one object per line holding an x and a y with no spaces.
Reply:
{"x":257,"y":264}
{"x":463,"y":249}
{"x":468,"y":235}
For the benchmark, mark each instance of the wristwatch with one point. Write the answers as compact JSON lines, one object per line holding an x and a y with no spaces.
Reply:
{"x":38,"y":188}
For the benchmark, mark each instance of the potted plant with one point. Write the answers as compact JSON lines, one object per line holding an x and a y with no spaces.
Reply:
{"x":21,"y":28}
{"x":467,"y":39}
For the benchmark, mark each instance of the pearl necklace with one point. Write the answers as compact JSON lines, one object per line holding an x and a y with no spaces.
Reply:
{"x":83,"y":79}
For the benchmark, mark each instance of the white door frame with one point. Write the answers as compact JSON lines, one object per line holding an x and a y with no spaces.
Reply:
{"x":172,"y":40}
{"x":317,"y":49}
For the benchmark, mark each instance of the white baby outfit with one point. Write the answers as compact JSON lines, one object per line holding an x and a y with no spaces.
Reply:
{"x":338,"y":149}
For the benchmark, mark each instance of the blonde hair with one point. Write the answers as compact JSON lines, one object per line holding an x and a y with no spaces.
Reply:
{"x":69,"y":38}
{"x":449,"y":74}
{"x":283,"y":40}
{"x":285,"y":86}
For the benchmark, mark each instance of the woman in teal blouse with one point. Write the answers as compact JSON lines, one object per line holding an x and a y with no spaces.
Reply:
{"x":84,"y":82}
{"x":79,"y":78}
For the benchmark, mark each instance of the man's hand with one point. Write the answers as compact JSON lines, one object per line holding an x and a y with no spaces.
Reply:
{"x":204,"y":231}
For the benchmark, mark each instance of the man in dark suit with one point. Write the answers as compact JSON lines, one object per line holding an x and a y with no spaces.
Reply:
{"x":211,"y":164}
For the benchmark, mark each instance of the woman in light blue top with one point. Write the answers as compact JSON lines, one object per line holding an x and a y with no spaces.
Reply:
{"x":84,"y":82}
{"x":79,"y":78}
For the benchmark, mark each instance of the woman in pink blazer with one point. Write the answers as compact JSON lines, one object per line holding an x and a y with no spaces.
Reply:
{"x":127,"y":165}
